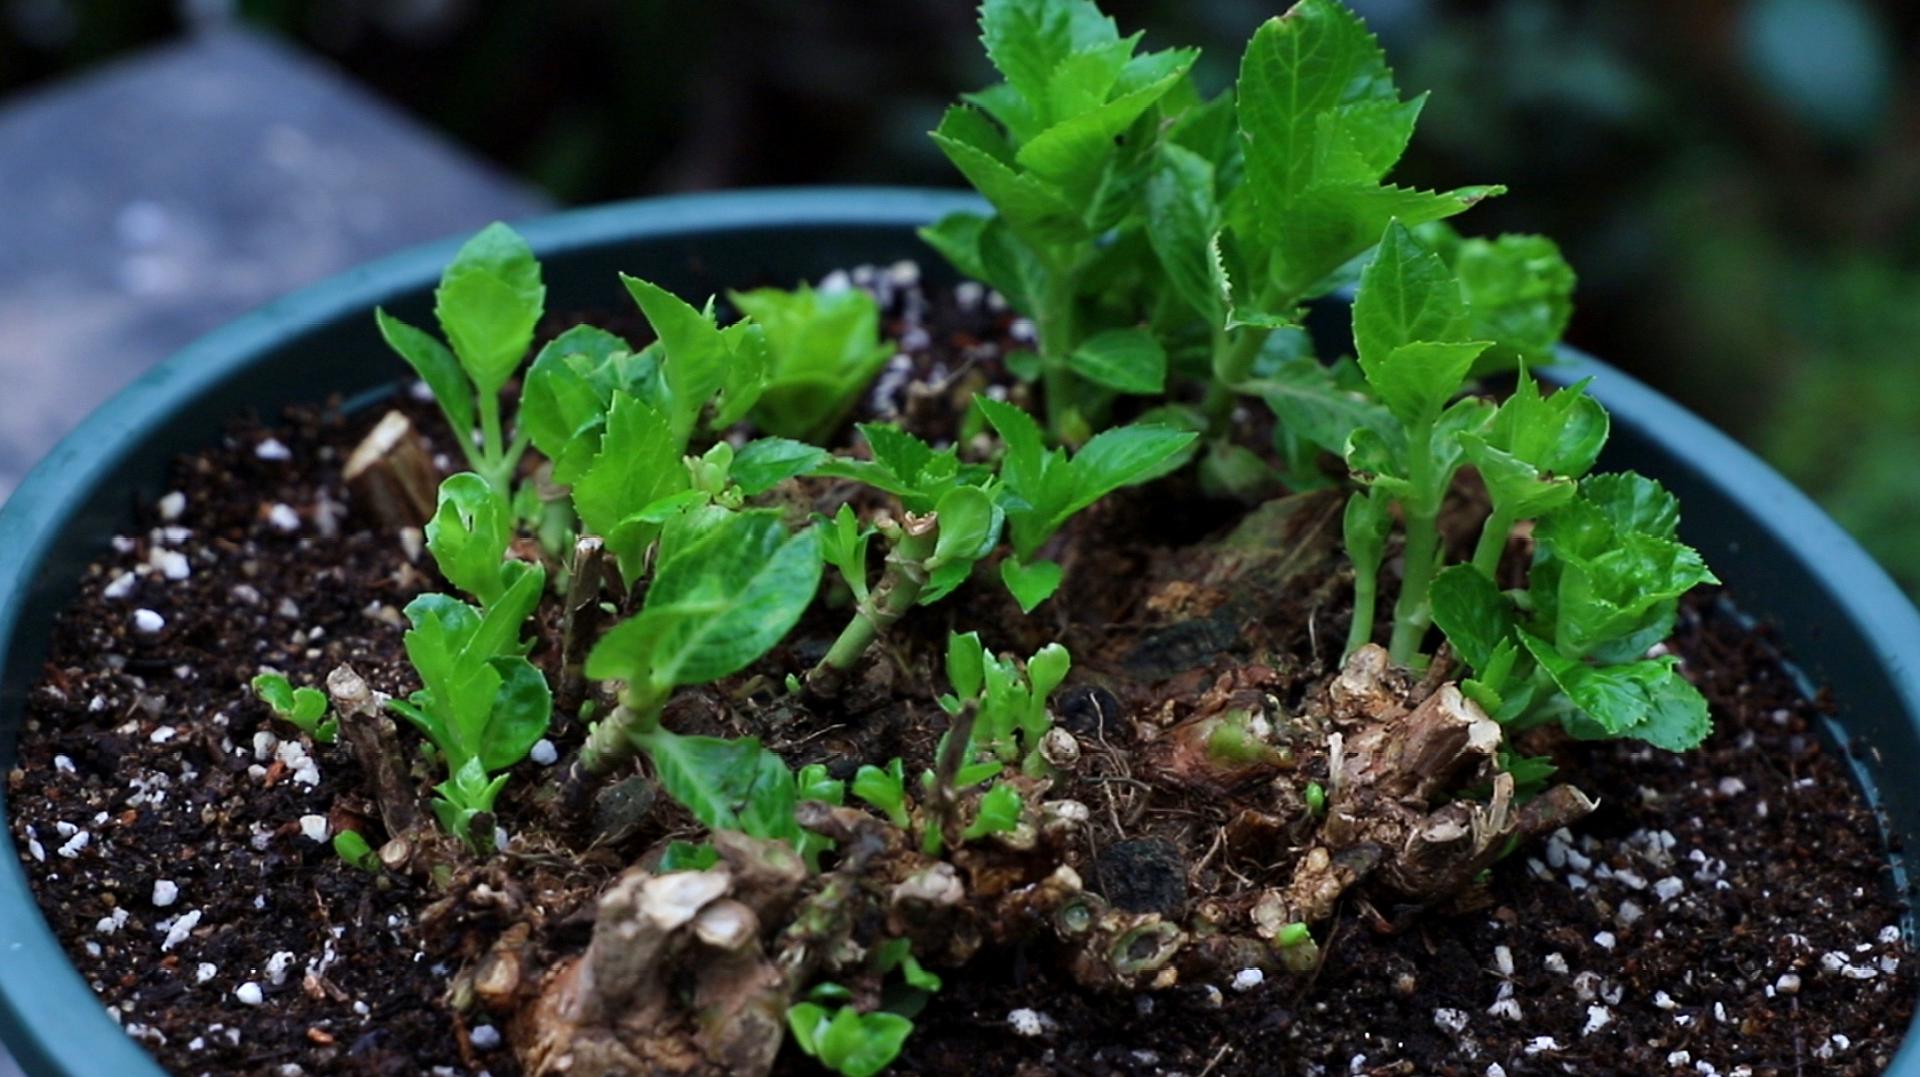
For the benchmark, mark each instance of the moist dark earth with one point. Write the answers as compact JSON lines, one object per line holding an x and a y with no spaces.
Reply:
{"x":1727,"y":911}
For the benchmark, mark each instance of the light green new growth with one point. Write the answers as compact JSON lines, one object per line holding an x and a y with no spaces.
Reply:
{"x":301,"y":707}
{"x":489,"y":301}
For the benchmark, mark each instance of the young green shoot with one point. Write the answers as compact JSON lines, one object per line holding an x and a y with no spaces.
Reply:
{"x":489,"y":301}
{"x":729,"y":587}
{"x":482,"y":704}
{"x":846,"y":1041}
{"x":304,"y":708}
{"x":353,"y":850}
{"x":1057,"y":148}
{"x":1040,"y":488}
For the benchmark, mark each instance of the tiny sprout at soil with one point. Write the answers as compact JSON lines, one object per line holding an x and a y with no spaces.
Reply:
{"x":766,"y":684}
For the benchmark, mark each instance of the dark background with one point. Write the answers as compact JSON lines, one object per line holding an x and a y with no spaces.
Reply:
{"x":1735,"y":180}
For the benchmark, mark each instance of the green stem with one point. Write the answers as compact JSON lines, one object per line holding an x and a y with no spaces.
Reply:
{"x":1493,"y":543}
{"x":1233,"y":356}
{"x":496,"y":462}
{"x":899,"y":589}
{"x":612,"y":740}
{"x":1054,"y":326}
{"x":1411,"y":613}
{"x":1366,"y":595}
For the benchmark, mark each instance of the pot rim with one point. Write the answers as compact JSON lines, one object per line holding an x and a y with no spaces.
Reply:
{"x":51,"y":1020}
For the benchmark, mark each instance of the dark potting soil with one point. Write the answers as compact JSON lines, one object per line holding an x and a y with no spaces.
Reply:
{"x":1725,"y":911}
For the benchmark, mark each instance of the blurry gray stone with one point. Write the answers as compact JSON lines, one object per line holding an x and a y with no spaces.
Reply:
{"x":147,"y":202}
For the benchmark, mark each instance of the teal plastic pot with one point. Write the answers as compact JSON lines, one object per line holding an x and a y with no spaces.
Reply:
{"x":1837,"y":612}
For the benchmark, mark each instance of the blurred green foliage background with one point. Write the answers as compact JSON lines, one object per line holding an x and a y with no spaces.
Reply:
{"x":1737,"y":181}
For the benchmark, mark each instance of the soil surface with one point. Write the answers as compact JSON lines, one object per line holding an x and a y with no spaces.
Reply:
{"x":1726,"y":911}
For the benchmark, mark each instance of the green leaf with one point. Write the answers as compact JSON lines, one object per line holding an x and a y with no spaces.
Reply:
{"x":1317,"y":56}
{"x":469,"y":534}
{"x":1070,"y":153}
{"x":1120,"y":457}
{"x":1124,"y":360}
{"x":1310,"y":402}
{"x":688,"y":856}
{"x":1625,"y":593}
{"x":1046,"y":670}
{"x":767,"y":462}
{"x":885,"y":790}
{"x":436,"y":366}
{"x":1406,"y":294}
{"x":1360,"y":143}
{"x":966,"y":664}
{"x":1327,"y":227}
{"x":1028,"y":202}
{"x":520,"y":713}
{"x":698,"y":355}
{"x":719,"y":603}
{"x":1647,"y":700}
{"x":1014,"y":266}
{"x":1028,"y":40}
{"x":565,"y":394}
{"x":849,"y":1042}
{"x":806,"y":1020}
{"x":727,"y":784}
{"x":843,"y":544}
{"x":1365,"y":525}
{"x":1633,"y":503}
{"x":998,"y":813}
{"x":968,"y":529}
{"x":489,"y":301}
{"x":1416,"y":380}
{"x":350,"y":847}
{"x":1472,"y":612}
{"x":1519,"y":295}
{"x":276,"y":692}
{"x":901,"y":453}
{"x":823,"y":349}
{"x":957,"y":237}
{"x":1181,"y":219}
{"x":638,"y":464}
{"x":1030,"y":584}
{"x":1535,"y":447}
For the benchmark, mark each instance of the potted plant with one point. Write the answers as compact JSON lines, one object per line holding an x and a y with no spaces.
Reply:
{"x":1067,"y":654}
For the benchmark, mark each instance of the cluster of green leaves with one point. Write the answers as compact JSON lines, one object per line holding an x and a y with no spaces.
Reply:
{"x":1608,"y":570}
{"x":1061,"y":148}
{"x":489,"y":301}
{"x":617,"y":424}
{"x":1040,"y":489}
{"x":823,"y":347}
{"x":1573,"y":646}
{"x":304,"y":708}
{"x":847,"y":1041}
{"x":1010,"y":702}
{"x":482,"y":704}
{"x":1183,"y":244}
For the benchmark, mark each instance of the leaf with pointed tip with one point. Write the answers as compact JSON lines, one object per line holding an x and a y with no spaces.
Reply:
{"x":1472,"y":612}
{"x":489,"y":301}
{"x":638,"y":464}
{"x":436,"y":366}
